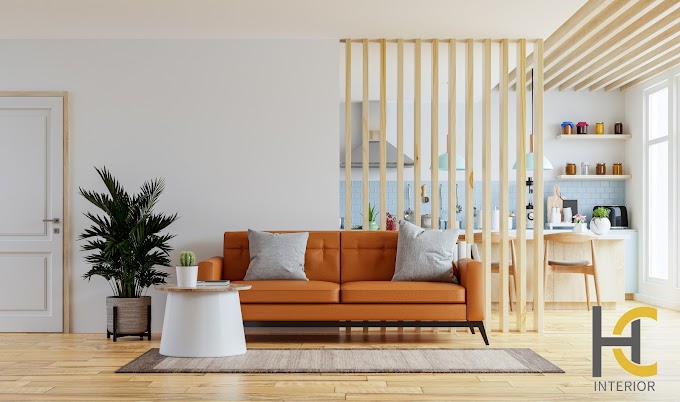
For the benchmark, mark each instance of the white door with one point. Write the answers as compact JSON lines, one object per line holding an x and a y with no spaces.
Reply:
{"x":31,"y":213}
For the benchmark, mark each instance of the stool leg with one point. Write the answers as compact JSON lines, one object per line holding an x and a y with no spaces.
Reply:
{"x":597,"y":290}
{"x":510,"y":287}
{"x":585,"y":277}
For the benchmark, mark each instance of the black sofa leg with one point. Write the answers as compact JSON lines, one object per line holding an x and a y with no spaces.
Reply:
{"x":472,"y":329}
{"x":483,"y":332}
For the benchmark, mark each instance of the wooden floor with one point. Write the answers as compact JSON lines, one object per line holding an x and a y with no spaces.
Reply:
{"x":81,"y":367}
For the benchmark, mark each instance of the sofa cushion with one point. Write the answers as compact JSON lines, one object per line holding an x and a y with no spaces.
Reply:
{"x":424,"y":255}
{"x":401,"y":292}
{"x":276,"y":256}
{"x":290,"y":292}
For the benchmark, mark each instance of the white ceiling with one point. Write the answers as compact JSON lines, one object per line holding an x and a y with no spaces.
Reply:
{"x":282,"y":18}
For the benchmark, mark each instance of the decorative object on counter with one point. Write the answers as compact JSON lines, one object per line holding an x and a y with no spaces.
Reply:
{"x":555,"y":201}
{"x":555,"y":216}
{"x":187,"y":270}
{"x":391,"y":221}
{"x":601,"y":168}
{"x":426,"y":221}
{"x":443,"y":213}
{"x":530,"y":203}
{"x":581,"y":127}
{"x":408,"y":214}
{"x":127,"y":245}
{"x":579,"y":224}
{"x":585,"y":168}
{"x":567,"y":127}
{"x":566,"y":215}
{"x":423,"y":194}
{"x":373,"y":218}
{"x":495,"y":219}
{"x":570,"y":169}
{"x":600,"y":223}
{"x":618,"y":128}
{"x":617,"y":169}
{"x":511,"y":219}
{"x":599,"y":127}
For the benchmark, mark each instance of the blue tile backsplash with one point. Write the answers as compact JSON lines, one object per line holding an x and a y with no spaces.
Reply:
{"x":588,"y":194}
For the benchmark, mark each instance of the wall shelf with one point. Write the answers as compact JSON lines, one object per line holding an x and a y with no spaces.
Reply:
{"x":575,"y":137}
{"x":594,"y":177}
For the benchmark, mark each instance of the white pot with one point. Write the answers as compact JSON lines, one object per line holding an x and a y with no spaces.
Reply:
{"x":600,"y":226}
{"x":187,"y":276}
{"x":580,"y":228}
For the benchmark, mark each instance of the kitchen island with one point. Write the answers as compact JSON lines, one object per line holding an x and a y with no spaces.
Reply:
{"x":616,"y":254}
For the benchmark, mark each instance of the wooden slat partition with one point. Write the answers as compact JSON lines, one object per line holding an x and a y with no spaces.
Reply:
{"x":486,"y":175}
{"x":520,"y":257}
{"x":364,"y":137}
{"x":451,"y":136}
{"x":400,"y":129}
{"x":537,"y":114}
{"x":348,"y":135}
{"x":469,"y":142}
{"x":383,"y":135}
{"x":504,"y":204}
{"x":434,"y":138}
{"x":416,"y":133}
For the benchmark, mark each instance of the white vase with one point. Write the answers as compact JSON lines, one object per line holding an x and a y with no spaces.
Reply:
{"x":187,"y":276}
{"x":600,"y":226}
{"x":579,"y":228}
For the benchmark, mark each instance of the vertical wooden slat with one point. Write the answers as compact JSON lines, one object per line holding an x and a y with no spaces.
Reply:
{"x":364,"y":138}
{"x":400,"y":129}
{"x":383,"y":135}
{"x":469,"y":143}
{"x":520,"y":268}
{"x":416,"y":134}
{"x":348,"y":134}
{"x":486,"y":173}
{"x":538,"y":186}
{"x":451,"y":142}
{"x":434,"y":136}
{"x":503,"y":190}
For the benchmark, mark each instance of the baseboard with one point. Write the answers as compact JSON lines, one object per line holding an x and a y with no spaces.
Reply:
{"x":655,"y":301}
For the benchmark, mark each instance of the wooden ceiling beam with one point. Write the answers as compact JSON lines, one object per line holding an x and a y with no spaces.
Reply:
{"x":643,"y":69}
{"x":651,"y":74}
{"x":624,"y":64}
{"x":606,"y":36}
{"x":567,"y":28}
{"x":617,"y":44}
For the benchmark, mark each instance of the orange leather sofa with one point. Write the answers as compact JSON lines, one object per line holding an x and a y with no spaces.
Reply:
{"x":350,"y":284}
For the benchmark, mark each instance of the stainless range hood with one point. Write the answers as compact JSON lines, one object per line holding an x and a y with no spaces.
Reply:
{"x":374,"y":154}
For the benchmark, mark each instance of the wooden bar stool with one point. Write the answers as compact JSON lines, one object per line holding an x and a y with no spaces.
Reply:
{"x":572,"y":267}
{"x":495,"y":265}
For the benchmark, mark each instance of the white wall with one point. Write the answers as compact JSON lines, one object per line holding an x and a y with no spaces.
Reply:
{"x":558,"y":107}
{"x":244,"y":131}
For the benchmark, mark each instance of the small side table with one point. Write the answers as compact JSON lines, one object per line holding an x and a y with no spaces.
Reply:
{"x":204,"y":321}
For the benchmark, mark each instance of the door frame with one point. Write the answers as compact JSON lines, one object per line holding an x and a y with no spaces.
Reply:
{"x":66,"y":227}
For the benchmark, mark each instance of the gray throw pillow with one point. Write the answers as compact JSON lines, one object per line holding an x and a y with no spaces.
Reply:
{"x":424,"y":255}
{"x":276,"y":256}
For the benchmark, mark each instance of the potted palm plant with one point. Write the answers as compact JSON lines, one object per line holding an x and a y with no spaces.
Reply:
{"x":126,"y":245}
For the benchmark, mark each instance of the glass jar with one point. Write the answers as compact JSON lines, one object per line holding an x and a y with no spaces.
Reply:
{"x":618,"y":128}
{"x":601,"y":169}
{"x":617,"y":169}
{"x":581,"y":127}
{"x":570,"y":169}
{"x":599,"y":127}
{"x":585,"y":168}
{"x":567,"y":127}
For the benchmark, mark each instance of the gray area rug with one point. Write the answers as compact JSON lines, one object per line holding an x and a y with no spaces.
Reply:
{"x":351,"y":361}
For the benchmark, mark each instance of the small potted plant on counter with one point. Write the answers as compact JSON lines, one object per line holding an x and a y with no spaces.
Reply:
{"x":373,"y":218}
{"x":187,"y":271}
{"x":600,"y":223}
{"x":579,"y":223}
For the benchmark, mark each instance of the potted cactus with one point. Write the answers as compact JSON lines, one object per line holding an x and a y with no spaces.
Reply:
{"x":187,"y":271}
{"x":600,"y":223}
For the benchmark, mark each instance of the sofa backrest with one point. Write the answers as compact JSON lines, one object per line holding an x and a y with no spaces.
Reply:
{"x":322,"y":258}
{"x":368,"y":256}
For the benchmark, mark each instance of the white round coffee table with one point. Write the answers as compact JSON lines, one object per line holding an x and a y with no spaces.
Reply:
{"x":204,"y":321}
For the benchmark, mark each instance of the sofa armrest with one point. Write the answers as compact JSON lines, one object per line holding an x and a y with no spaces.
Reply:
{"x":211,"y":269}
{"x":472,"y":279}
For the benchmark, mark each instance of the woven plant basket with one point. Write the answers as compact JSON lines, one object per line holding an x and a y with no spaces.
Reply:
{"x":133,"y":314}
